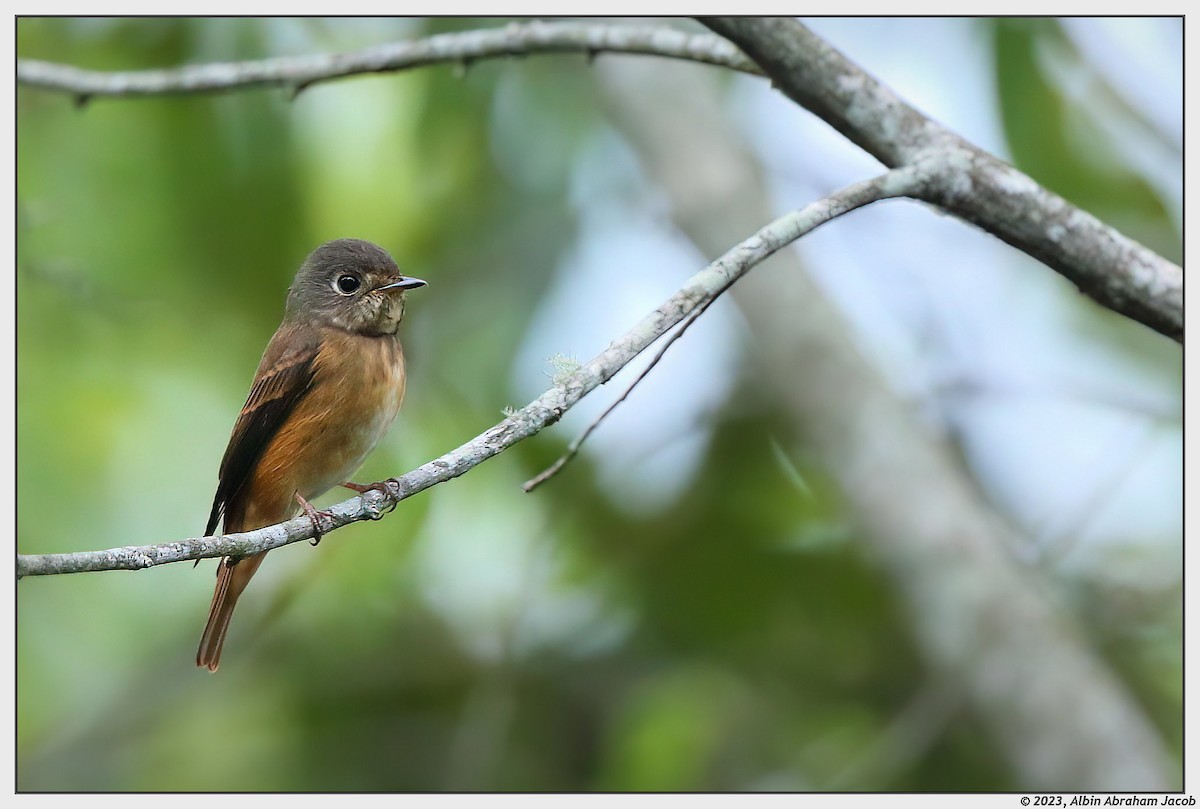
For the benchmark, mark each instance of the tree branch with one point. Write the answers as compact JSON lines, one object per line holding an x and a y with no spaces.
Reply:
{"x":543,"y":411}
{"x":574,"y":447}
{"x":990,"y":630}
{"x":300,"y":72}
{"x":1112,"y":269}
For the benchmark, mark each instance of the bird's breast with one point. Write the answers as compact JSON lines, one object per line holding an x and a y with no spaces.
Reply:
{"x":358,"y":385}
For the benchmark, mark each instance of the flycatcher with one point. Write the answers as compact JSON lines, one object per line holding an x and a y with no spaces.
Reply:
{"x":328,"y":387}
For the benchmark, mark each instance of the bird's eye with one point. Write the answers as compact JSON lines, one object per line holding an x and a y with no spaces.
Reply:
{"x":347,"y":284}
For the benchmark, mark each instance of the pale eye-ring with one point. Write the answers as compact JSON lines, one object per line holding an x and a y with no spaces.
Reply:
{"x":347,"y":284}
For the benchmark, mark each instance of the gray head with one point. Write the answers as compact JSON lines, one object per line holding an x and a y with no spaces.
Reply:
{"x":350,"y":284}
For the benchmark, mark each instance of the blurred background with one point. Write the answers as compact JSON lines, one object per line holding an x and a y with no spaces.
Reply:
{"x":688,"y":605}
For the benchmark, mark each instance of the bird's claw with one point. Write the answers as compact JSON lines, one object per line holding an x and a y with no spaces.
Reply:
{"x":315,"y":516}
{"x":389,"y":488}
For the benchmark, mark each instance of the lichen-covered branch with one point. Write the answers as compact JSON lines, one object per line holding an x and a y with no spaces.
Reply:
{"x":1114,"y":270}
{"x":298,"y":72}
{"x":538,"y":414}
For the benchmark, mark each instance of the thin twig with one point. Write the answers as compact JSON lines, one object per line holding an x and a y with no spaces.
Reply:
{"x":543,"y":411}
{"x":573,"y":447}
{"x":296,"y":73}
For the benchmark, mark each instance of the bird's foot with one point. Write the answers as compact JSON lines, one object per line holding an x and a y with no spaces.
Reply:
{"x":380,"y":486}
{"x":389,"y":488}
{"x":315,"y":516}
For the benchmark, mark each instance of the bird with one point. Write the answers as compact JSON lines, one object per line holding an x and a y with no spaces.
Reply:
{"x":328,"y":387}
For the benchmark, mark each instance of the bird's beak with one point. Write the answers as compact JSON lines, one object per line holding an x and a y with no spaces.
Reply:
{"x":403,"y":282}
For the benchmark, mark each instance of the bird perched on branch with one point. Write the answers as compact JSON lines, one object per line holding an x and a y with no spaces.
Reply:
{"x":328,"y":387}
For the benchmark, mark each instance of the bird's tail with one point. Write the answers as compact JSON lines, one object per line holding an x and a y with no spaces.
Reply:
{"x":232,"y":577}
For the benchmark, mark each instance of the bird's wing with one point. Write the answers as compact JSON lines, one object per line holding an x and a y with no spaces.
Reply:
{"x":284,"y":377}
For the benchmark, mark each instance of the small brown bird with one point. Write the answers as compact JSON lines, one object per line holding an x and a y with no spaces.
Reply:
{"x":328,"y":387}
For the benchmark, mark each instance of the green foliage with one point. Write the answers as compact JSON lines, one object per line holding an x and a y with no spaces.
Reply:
{"x":478,"y":638}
